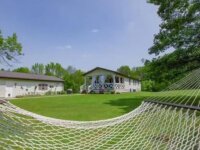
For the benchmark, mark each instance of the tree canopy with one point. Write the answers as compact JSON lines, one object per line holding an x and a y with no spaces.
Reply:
{"x":38,"y":68}
{"x":22,"y":70}
{"x":124,"y":70}
{"x":179,"y":33}
{"x":10,"y":48}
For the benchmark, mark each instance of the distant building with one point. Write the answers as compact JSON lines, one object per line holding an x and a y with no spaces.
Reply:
{"x":14,"y":84}
{"x":100,"y":80}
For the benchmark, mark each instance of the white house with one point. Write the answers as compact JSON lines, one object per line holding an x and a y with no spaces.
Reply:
{"x":14,"y":84}
{"x":100,"y":80}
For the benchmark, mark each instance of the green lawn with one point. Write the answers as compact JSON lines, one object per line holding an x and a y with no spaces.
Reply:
{"x":83,"y":107}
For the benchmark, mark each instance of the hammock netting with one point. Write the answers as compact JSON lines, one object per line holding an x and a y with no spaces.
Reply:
{"x":169,"y":120}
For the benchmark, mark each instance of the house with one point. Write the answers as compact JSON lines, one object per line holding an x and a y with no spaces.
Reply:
{"x":100,"y":80}
{"x":14,"y":84}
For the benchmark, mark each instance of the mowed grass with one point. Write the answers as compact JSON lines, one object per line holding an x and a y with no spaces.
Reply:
{"x":83,"y":107}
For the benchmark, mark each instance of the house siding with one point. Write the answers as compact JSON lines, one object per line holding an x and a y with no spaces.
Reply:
{"x":134,"y":86}
{"x":14,"y":87}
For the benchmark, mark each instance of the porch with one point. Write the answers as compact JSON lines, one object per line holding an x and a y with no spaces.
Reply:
{"x":103,"y":83}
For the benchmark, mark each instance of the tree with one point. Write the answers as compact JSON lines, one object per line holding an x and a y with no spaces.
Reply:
{"x":10,"y":48}
{"x":124,"y":70}
{"x":38,"y":68}
{"x":22,"y":70}
{"x":54,"y":69}
{"x":179,"y":31}
{"x":73,"y":80}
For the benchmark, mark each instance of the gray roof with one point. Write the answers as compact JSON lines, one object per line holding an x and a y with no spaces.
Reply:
{"x":28,"y":76}
{"x":118,"y":73}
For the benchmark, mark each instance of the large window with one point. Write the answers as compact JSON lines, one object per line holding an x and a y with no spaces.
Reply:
{"x":117,"y":79}
{"x":43,"y":87}
{"x":121,"y":80}
{"x":109,"y":79}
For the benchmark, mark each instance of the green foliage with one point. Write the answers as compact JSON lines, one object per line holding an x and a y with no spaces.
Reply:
{"x":54,"y":69}
{"x":148,"y":85}
{"x":73,"y":80}
{"x":55,"y":93}
{"x":10,"y":48}
{"x":38,"y":68}
{"x":22,"y":70}
{"x":179,"y":31}
{"x":180,"y":27}
{"x":124,"y":70}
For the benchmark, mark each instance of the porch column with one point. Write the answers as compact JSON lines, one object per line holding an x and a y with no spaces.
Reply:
{"x":114,"y":79}
{"x":93,"y":79}
{"x":104,"y":79}
{"x":114,"y":82}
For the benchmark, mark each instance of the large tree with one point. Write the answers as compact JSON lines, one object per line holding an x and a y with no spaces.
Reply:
{"x":10,"y":48}
{"x":179,"y":33}
{"x":180,"y":27}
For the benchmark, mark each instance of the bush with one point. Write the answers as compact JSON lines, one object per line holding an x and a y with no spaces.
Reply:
{"x":84,"y":92}
{"x":55,"y":93}
{"x":61,"y":93}
{"x":22,"y":96}
{"x":112,"y":92}
{"x":148,"y":85}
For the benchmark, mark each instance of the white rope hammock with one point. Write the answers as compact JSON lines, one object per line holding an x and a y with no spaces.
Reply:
{"x":170,"y":120}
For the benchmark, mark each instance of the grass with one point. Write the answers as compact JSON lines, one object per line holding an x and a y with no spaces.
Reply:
{"x":146,"y":126}
{"x":83,"y":107}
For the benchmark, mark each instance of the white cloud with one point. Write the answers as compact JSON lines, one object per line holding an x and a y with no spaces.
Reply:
{"x":95,"y":30}
{"x":65,"y":47}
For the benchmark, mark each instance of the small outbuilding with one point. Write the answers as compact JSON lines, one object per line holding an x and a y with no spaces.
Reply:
{"x":100,"y":80}
{"x":14,"y":84}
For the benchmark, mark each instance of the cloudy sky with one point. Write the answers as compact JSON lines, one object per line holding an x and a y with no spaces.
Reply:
{"x":81,"y":33}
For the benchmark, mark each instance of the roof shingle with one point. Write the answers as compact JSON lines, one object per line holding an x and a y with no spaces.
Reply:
{"x":28,"y":76}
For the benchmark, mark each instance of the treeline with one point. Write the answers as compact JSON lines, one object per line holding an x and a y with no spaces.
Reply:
{"x":72,"y":77}
{"x":142,"y":74}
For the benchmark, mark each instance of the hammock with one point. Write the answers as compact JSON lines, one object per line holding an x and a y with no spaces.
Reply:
{"x":169,"y":120}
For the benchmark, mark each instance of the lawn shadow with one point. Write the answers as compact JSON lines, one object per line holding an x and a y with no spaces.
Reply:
{"x":126,"y":104}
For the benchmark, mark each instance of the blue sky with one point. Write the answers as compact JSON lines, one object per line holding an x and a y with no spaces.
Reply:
{"x":81,"y":33}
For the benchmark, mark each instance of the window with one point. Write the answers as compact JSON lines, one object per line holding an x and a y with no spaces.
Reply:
{"x":121,"y":80}
{"x":117,"y":79}
{"x":51,"y":86}
{"x":129,"y":81}
{"x":43,"y":87}
{"x":109,"y":79}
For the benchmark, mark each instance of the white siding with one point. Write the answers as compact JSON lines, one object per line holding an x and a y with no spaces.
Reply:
{"x":13,"y":88}
{"x":134,"y":85}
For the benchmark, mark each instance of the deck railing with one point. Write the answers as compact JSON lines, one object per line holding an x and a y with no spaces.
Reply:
{"x":108,"y":86}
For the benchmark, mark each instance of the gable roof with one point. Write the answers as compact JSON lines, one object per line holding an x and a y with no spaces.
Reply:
{"x":115,"y":72}
{"x":28,"y":76}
